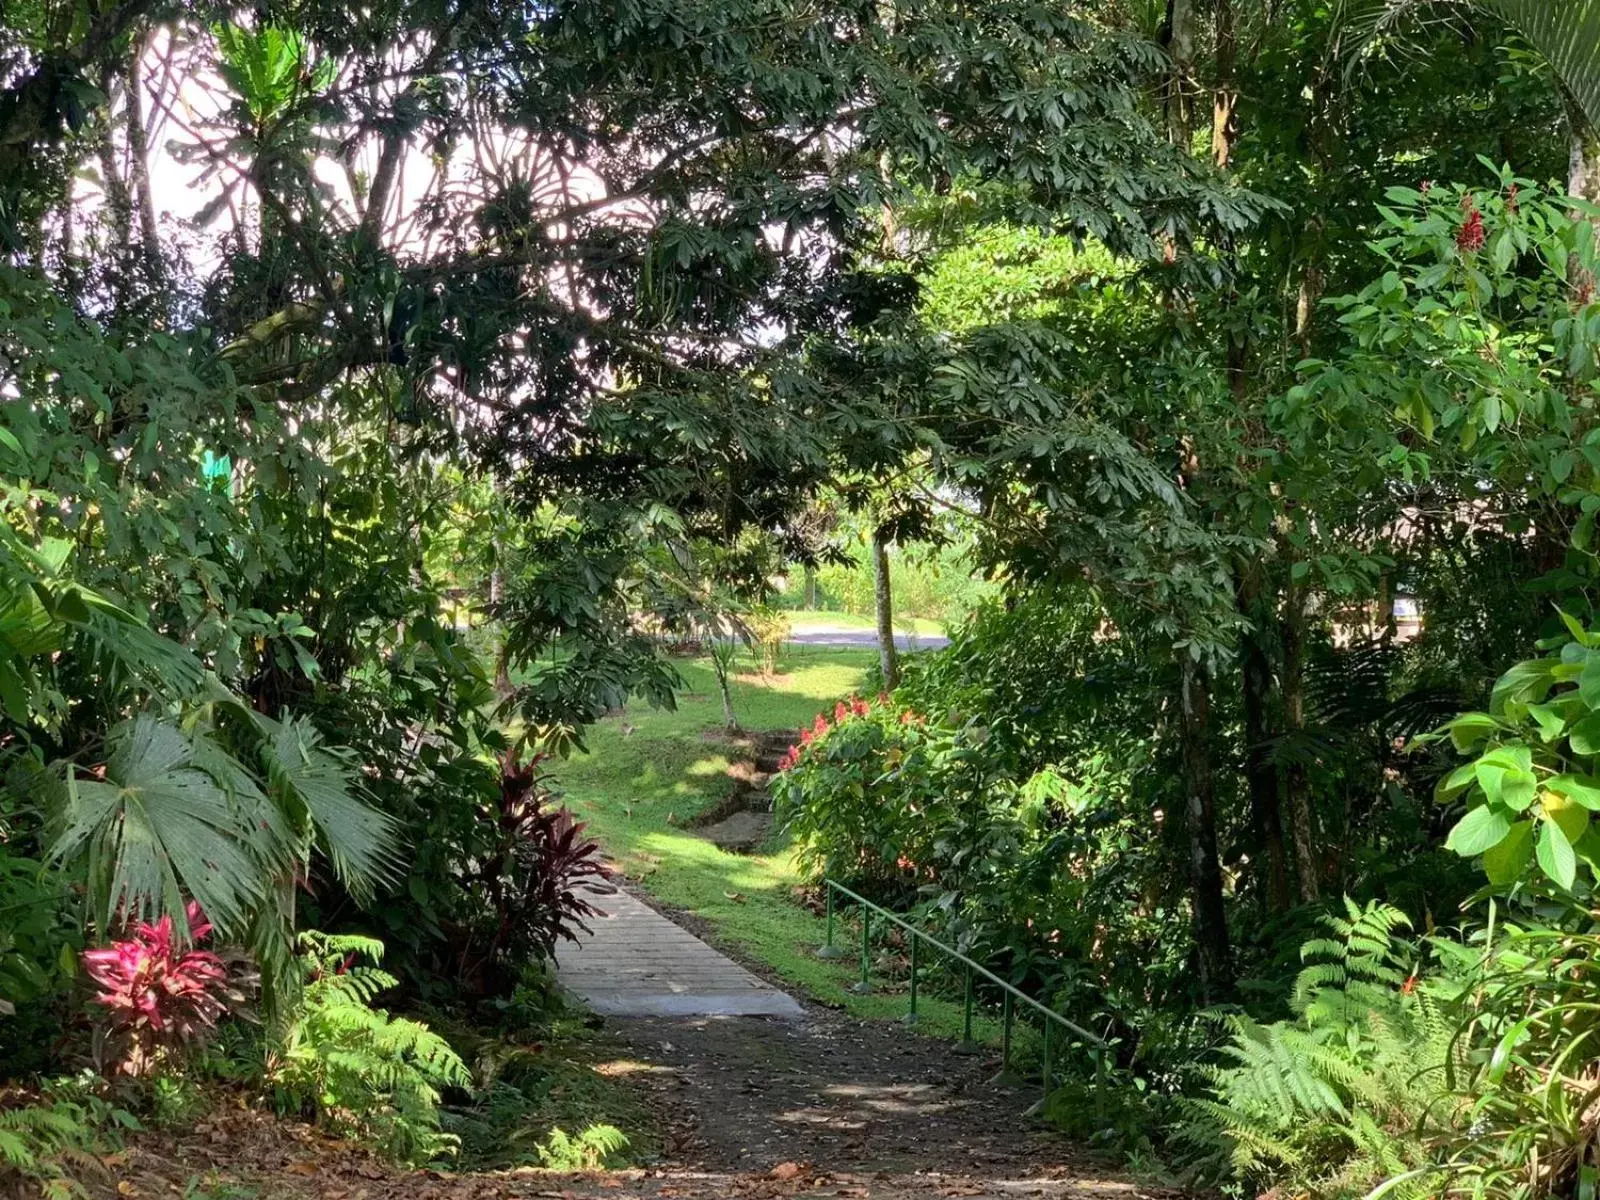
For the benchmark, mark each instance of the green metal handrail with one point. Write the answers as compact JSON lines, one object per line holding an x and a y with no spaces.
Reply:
{"x":1011,"y":995}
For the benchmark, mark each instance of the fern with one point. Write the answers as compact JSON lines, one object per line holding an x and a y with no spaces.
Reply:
{"x":49,"y":1145}
{"x":1333,"y":1096}
{"x":589,"y":1151}
{"x":362,"y":1071}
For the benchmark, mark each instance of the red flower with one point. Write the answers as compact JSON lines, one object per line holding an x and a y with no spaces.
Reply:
{"x":840,"y":711}
{"x":1469,"y":238}
{"x":883,"y":697}
{"x":1426,"y":186}
{"x":1511,"y":198}
{"x":805,"y":737}
{"x":905,"y":864}
{"x":821,"y":727}
{"x":858,"y":706}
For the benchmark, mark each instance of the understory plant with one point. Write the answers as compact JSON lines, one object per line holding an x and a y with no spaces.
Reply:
{"x":160,"y":993}
{"x":1341,"y":1095}
{"x":536,"y":883}
{"x":355,"y":1068}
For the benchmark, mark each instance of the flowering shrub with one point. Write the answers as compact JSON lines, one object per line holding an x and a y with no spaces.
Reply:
{"x":158,"y":996}
{"x":855,"y":793}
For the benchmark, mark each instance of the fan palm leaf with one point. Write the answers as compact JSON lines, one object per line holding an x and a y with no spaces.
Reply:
{"x":156,"y":828}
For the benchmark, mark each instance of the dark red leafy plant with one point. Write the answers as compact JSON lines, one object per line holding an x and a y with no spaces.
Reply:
{"x":158,"y":995}
{"x":540,"y":881}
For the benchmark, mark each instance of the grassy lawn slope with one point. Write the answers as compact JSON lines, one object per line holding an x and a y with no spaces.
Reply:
{"x":649,"y":772}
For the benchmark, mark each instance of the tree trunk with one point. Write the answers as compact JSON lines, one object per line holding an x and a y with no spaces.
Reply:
{"x":139,"y":167}
{"x":810,"y":588}
{"x":1177,"y":37}
{"x":1296,"y":782}
{"x":1583,"y":159}
{"x":1261,"y":776}
{"x":719,"y":667}
{"x":1210,"y":920}
{"x":887,"y":654}
{"x":118,"y":205}
{"x":1225,"y":100}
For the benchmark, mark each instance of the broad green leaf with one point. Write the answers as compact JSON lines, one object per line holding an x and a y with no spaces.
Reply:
{"x":1507,"y":859}
{"x":1551,"y":721}
{"x":1574,"y":627}
{"x":1555,"y":855}
{"x":1526,"y":682}
{"x":1483,"y":827}
{"x":1469,"y":729}
{"x":1581,"y":789}
{"x":1458,"y":781}
{"x":1585,"y":736}
{"x":1572,"y":818}
{"x":1589,"y":680}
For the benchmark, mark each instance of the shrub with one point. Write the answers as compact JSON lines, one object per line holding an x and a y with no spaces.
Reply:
{"x":354,"y":1067}
{"x":769,"y":633}
{"x":159,"y":997}
{"x":536,"y":882}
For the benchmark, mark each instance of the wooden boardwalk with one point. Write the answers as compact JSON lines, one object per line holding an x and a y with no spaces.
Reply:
{"x":637,"y":963}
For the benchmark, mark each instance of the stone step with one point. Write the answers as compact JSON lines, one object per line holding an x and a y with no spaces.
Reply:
{"x":741,"y":832}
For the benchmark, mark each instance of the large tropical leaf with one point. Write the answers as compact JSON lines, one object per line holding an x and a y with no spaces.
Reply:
{"x":155,"y":830}
{"x":1567,"y":34}
{"x":362,"y":843}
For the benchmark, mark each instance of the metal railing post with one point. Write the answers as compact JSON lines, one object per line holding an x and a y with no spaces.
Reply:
{"x":911,"y":1016}
{"x":1007,"y":1018}
{"x":865,"y":984}
{"x":829,"y":950}
{"x":967,"y":1043}
{"x":1046,"y":1079}
{"x":1010,"y":996}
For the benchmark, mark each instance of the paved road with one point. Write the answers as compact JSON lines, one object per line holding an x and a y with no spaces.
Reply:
{"x":838,"y":635}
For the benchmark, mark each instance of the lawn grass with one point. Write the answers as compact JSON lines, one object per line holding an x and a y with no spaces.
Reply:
{"x":649,"y":772}
{"x":805,"y":619}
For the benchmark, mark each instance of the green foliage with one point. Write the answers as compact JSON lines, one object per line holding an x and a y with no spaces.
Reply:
{"x":590,"y":1150}
{"x":1531,"y":785}
{"x":1333,"y":1099}
{"x":43,"y":1143}
{"x":355,"y":1067}
{"x":769,"y":632}
{"x":55,"y":1143}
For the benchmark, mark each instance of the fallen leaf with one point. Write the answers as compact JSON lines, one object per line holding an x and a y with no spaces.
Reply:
{"x":301,"y":1167}
{"x":786,"y":1170}
{"x":736,"y":897}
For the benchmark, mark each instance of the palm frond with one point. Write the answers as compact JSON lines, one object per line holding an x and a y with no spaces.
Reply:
{"x":156,"y":829}
{"x":1567,"y":34}
{"x":361,"y":842}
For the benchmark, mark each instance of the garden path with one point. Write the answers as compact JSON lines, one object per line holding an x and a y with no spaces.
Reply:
{"x":634,"y":962}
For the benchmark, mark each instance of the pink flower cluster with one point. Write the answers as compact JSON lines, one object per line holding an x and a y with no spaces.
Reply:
{"x":154,"y":991}
{"x":842,"y":712}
